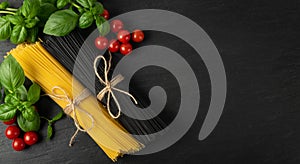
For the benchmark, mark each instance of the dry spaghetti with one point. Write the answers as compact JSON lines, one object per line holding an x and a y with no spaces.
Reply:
{"x":40,"y":67}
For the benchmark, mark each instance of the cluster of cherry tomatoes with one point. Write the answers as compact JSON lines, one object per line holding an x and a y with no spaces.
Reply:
{"x":13,"y":132}
{"x":122,"y":43}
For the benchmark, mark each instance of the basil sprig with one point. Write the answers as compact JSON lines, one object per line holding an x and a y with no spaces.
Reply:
{"x":55,"y":17}
{"x":17,"y":24}
{"x":81,"y":13}
{"x":51,"y":122}
{"x":18,"y":102}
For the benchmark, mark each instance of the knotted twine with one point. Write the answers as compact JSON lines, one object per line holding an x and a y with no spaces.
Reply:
{"x":110,"y":85}
{"x":71,"y":108}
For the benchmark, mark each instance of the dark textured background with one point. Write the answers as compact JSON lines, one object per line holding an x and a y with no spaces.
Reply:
{"x":259,"y":43}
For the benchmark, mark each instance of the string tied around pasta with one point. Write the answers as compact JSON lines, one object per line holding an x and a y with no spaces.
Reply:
{"x":110,"y":85}
{"x":71,"y":108}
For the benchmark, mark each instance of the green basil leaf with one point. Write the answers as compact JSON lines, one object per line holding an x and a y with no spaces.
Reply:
{"x":12,"y":100}
{"x":62,"y":3}
{"x":97,"y":9}
{"x":4,"y":5}
{"x":32,"y":34}
{"x":61,"y":23}
{"x":26,"y":125}
{"x":25,"y":105}
{"x":21,"y":93}
{"x":86,"y":20}
{"x":49,"y":132}
{"x":11,"y":74}
{"x":29,"y":113}
{"x":102,"y":25}
{"x":30,"y":23}
{"x":1,"y":92}
{"x":18,"y":34}
{"x":91,"y":3}
{"x":7,"y":112}
{"x":86,"y":3}
{"x":30,"y":8}
{"x":34,"y":93}
{"x":6,"y":91}
{"x":46,"y":10}
{"x":48,"y":1}
{"x":15,"y":19}
{"x":5,"y":29}
{"x":57,"y":117}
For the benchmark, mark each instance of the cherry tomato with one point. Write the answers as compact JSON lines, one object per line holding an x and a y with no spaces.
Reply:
{"x":31,"y":138}
{"x":126,"y":48}
{"x":10,"y":122}
{"x":124,"y":36}
{"x":101,"y":42}
{"x":114,"y":45}
{"x":138,"y":36}
{"x":116,"y":25}
{"x":12,"y":132}
{"x":105,"y":14}
{"x":18,"y":144}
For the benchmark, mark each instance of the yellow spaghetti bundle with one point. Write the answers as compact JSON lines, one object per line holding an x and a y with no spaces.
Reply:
{"x":40,"y":67}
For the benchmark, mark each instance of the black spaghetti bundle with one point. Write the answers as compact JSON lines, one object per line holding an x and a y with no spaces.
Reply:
{"x":66,"y":50}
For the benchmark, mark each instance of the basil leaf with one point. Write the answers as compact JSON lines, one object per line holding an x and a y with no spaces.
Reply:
{"x":4,"y":5}
{"x":30,"y":8}
{"x":49,"y":132}
{"x":97,"y":9}
{"x":26,"y":125}
{"x":7,"y":112}
{"x":21,"y":93}
{"x":11,"y":74}
{"x":57,"y":117}
{"x":1,"y":91}
{"x":61,"y":23}
{"x":102,"y":25}
{"x":11,"y":99}
{"x":29,"y":113}
{"x":5,"y":29}
{"x":32,"y":34}
{"x":15,"y":19}
{"x":34,"y":93}
{"x":18,"y":34}
{"x":86,"y":3}
{"x":62,"y":3}
{"x":46,"y":10}
{"x":48,"y":1}
{"x":30,"y":23}
{"x":86,"y":20}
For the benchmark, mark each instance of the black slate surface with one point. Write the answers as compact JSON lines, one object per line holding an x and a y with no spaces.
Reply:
{"x":259,"y":43}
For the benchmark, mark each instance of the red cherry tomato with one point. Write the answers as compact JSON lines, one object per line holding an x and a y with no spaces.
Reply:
{"x":10,"y":122}
{"x":138,"y":36}
{"x":114,"y":45}
{"x":101,"y":42}
{"x":12,"y":132}
{"x":124,"y":36}
{"x":105,"y":14}
{"x":116,"y":25}
{"x":30,"y":138}
{"x":18,"y":144}
{"x":126,"y":48}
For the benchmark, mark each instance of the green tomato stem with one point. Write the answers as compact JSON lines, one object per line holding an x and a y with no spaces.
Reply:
{"x":7,"y":12}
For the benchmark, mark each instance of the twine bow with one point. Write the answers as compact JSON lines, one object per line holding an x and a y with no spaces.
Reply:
{"x":70,"y":108}
{"x":110,"y":85}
